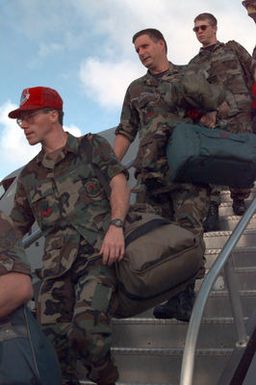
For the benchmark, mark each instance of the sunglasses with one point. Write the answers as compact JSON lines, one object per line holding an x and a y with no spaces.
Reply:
{"x":202,"y":27}
{"x":30,"y":115}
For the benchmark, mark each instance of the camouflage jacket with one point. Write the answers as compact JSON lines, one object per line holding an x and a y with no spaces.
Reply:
{"x":66,"y":199}
{"x":254,"y":62}
{"x":221,"y":65}
{"x":153,"y":106}
{"x":12,"y":254}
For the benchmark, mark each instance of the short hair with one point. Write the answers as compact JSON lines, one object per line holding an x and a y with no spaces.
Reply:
{"x":203,"y":16}
{"x":60,"y":116}
{"x":154,"y":35}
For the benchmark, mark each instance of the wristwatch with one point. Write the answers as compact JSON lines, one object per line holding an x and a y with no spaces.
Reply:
{"x":117,"y":222}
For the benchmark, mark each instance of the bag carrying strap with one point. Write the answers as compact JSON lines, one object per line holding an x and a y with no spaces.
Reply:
{"x":145,"y":228}
{"x":30,"y":339}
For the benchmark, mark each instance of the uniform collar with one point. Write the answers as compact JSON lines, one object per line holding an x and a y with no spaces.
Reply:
{"x":211,"y":48}
{"x":173,"y":69}
{"x":72,"y":145}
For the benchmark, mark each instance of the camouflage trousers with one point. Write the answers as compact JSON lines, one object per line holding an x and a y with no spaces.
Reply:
{"x":74,"y":311}
{"x":184,"y":203}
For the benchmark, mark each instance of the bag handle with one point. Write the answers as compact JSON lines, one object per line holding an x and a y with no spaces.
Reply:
{"x":145,"y":228}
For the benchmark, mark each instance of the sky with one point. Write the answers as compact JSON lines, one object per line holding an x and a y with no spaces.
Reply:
{"x":83,"y":49}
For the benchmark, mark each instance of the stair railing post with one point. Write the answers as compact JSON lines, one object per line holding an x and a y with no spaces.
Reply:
{"x":236,"y":304}
{"x":188,"y":360}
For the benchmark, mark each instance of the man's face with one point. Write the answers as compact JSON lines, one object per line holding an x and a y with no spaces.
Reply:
{"x":151,"y":53}
{"x":205,"y":32}
{"x":36,"y":125}
{"x":251,"y":10}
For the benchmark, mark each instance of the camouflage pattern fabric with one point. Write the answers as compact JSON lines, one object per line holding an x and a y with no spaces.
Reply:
{"x":12,"y":254}
{"x":184,"y":203}
{"x":69,"y":204}
{"x":78,"y":304}
{"x":66,"y":199}
{"x":152,"y":107}
{"x":216,"y":194}
{"x":254,"y":60}
{"x":222,"y":65}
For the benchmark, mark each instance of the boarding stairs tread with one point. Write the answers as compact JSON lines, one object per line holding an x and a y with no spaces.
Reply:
{"x":171,"y":322}
{"x":213,"y":250}
{"x":243,"y":293}
{"x":127,"y":383}
{"x":220,"y":233}
{"x":170,"y":351}
{"x":233,"y":217}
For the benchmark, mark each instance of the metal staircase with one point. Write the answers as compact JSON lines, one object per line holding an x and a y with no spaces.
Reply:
{"x":149,"y":351}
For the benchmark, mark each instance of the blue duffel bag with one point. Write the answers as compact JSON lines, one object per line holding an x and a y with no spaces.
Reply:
{"x":26,"y":355}
{"x":201,"y":155}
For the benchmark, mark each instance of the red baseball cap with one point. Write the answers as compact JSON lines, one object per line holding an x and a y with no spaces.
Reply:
{"x":36,"y":98}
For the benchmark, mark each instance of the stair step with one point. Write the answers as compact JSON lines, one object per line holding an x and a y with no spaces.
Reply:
{"x":218,"y":304}
{"x":217,"y":239}
{"x":229,"y":222}
{"x":242,"y":256}
{"x":245,"y":279}
{"x":225,"y":208}
{"x":225,"y":195}
{"x":86,"y":382}
{"x":158,"y":366}
{"x":154,"y":333}
{"x":162,"y":366}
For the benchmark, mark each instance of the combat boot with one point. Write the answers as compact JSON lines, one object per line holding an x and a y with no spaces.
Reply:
{"x":211,"y":223}
{"x":180,"y":306}
{"x":239,"y":206}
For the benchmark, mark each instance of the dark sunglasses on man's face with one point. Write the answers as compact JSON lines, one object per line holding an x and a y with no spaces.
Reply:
{"x":202,"y":27}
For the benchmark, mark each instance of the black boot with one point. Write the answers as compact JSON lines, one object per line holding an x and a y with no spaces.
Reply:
{"x":212,"y":221}
{"x":180,"y":306}
{"x":239,"y":206}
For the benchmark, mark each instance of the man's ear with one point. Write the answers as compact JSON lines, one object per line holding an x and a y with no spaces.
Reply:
{"x":161,"y":43}
{"x":54,"y":115}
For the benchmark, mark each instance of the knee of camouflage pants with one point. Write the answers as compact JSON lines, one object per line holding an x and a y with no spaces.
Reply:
{"x":91,"y":334}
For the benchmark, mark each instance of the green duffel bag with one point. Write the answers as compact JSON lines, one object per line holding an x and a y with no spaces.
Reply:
{"x":161,"y":259}
{"x":197,"y":154}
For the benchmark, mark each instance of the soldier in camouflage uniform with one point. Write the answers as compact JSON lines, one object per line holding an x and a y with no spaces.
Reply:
{"x":16,"y":290}
{"x":15,"y":281}
{"x":250,"y":6}
{"x":83,"y":233}
{"x":154,"y":104}
{"x":226,"y":64}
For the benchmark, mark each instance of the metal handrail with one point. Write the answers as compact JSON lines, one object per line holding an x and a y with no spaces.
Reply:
{"x":188,"y":360}
{"x":28,"y":240}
